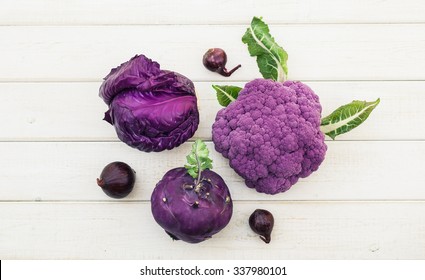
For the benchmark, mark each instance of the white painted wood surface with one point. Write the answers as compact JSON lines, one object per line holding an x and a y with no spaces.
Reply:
{"x":400,"y":111}
{"x":129,"y":12}
{"x":303,"y":230}
{"x":353,"y":170}
{"x":366,"y":201}
{"x":316,"y":51}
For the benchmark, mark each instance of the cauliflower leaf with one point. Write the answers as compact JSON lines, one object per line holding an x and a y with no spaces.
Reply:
{"x":347,"y":117}
{"x":271,"y":58}
{"x":226,"y":94}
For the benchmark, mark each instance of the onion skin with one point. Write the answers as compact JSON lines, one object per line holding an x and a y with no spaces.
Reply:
{"x":117,"y":179}
{"x":261,"y":222}
{"x":215,"y":60}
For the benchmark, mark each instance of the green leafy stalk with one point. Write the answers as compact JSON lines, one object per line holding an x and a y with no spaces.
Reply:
{"x":347,"y":117}
{"x":271,"y":58}
{"x":198,"y":160}
{"x":226,"y":94}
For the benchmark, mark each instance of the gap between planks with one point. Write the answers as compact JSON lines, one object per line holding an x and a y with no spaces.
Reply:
{"x":245,"y":24}
{"x":89,"y":81}
{"x":250,"y":201}
{"x":193,"y":140}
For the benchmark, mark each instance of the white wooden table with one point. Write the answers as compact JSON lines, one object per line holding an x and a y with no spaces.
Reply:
{"x":367,"y":201}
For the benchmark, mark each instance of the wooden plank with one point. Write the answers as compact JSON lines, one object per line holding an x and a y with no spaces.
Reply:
{"x":371,"y":170}
{"x":303,"y":230}
{"x":87,"y":53}
{"x":74,"y":112}
{"x":80,"y":12}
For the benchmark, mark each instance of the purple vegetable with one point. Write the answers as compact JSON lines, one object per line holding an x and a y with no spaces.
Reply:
{"x":215,"y":60}
{"x":192,"y":203}
{"x":271,"y":130}
{"x":271,"y":134}
{"x":117,"y":179}
{"x":151,"y":109}
{"x":261,"y":222}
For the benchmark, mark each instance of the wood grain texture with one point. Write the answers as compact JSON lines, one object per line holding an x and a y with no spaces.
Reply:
{"x":352,"y":170}
{"x":74,"y":112}
{"x":316,"y":52}
{"x":308,"y":230}
{"x":80,"y":12}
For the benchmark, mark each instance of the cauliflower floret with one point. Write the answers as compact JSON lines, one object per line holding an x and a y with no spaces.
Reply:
{"x":271,"y":134}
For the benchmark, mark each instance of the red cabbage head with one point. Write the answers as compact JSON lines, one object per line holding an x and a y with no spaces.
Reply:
{"x":151,"y":109}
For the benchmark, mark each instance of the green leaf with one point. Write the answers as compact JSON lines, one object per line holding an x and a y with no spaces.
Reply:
{"x":226,"y":94}
{"x":347,"y":117}
{"x":191,"y":159}
{"x":192,"y":172}
{"x":206,"y":164}
{"x":198,"y":160}
{"x":271,"y":58}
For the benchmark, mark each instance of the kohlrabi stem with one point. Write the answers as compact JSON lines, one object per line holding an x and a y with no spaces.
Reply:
{"x":198,"y":162}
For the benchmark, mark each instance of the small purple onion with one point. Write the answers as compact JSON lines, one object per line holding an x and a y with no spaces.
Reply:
{"x":261,"y":222}
{"x":215,"y":60}
{"x":117,"y":179}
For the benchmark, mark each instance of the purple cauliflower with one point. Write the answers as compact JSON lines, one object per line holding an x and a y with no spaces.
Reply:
{"x":189,"y":210}
{"x":151,"y":109}
{"x":271,"y":134}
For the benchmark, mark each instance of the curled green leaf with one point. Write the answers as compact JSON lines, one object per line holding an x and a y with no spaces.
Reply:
{"x":271,"y":58}
{"x":226,"y":94}
{"x":347,"y":117}
{"x":198,"y":160}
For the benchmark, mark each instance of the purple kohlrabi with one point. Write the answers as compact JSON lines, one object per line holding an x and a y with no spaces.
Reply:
{"x":188,"y":211}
